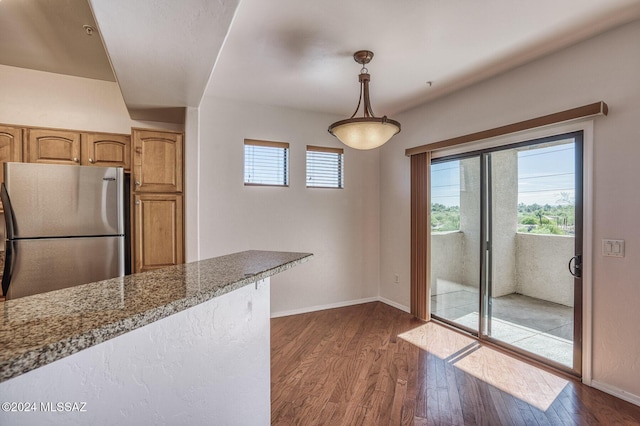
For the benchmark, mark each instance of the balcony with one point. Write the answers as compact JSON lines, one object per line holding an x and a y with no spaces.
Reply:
{"x":532,"y":290}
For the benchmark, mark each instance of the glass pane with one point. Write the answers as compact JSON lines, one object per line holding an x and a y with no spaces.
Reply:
{"x":530,"y":292}
{"x":455,"y":241}
{"x":324,"y":169}
{"x":266,"y":165}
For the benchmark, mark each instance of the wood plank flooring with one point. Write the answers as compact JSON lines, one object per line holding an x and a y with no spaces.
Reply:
{"x":372,"y":364}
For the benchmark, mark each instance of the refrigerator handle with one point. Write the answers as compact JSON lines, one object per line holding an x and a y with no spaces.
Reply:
{"x":9,"y":256}
{"x":8,"y":212}
{"x":9,"y":252}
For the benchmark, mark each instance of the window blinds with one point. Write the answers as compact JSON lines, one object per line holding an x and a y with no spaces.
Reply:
{"x":266,"y":163}
{"x":325,"y":167}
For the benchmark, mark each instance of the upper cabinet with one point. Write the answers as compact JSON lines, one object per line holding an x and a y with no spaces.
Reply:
{"x":53,"y":146}
{"x":157,"y":161}
{"x":106,"y":150}
{"x":10,"y":144}
{"x":10,"y":148}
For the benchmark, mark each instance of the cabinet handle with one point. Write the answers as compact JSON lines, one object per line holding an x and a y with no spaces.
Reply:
{"x":91,"y":160}
{"x":75,"y":159}
{"x":137,"y":183}
{"x":137,"y":202}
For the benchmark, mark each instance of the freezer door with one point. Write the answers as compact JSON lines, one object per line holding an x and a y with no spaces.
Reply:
{"x":41,"y":265}
{"x":52,"y":200}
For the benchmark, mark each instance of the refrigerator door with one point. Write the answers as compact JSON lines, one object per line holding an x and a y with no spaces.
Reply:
{"x":40,"y":265}
{"x":51,"y":200}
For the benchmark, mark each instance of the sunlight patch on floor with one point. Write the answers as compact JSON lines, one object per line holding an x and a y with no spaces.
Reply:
{"x":437,"y":340}
{"x":517,"y":378}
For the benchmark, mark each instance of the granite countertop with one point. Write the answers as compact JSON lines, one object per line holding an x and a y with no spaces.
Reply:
{"x":37,"y":330}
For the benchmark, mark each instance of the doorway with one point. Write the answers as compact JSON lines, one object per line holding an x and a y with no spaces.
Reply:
{"x":506,"y":246}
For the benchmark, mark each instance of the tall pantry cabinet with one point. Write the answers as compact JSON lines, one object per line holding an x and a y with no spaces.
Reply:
{"x":157,"y":191}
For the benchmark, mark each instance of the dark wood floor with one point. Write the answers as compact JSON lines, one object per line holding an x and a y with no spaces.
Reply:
{"x":372,"y":364}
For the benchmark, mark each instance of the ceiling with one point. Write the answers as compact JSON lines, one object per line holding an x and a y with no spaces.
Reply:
{"x":48,"y":35}
{"x":292,"y":53}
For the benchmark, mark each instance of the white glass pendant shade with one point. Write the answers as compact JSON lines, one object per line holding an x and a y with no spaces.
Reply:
{"x":365,"y":133}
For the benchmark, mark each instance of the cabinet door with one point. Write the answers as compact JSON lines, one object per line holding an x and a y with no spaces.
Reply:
{"x":157,"y":161}
{"x":158,"y":231}
{"x":53,"y":146}
{"x":106,"y":150}
{"x":10,"y":149}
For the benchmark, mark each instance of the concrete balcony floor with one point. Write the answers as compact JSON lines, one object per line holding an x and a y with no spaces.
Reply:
{"x":538,"y":326}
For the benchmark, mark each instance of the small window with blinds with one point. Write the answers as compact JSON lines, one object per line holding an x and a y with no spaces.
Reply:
{"x":266,"y":163}
{"x":325,"y":167}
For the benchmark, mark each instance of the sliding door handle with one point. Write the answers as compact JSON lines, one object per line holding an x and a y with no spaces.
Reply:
{"x":576,"y":271}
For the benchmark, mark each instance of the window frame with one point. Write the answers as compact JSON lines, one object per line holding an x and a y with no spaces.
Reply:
{"x":267,"y":144}
{"x":340,"y":170}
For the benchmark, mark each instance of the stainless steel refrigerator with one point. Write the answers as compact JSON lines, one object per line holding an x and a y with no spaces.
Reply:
{"x":64,"y":226}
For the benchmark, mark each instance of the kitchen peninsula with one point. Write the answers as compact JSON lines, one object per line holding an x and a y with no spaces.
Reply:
{"x":188,"y":344}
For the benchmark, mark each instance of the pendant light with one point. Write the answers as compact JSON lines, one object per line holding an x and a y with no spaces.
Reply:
{"x":368,"y":131}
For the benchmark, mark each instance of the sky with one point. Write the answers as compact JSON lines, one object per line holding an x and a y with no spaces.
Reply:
{"x":545,"y":176}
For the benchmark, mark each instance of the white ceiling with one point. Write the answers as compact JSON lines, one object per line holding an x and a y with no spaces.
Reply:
{"x":293,"y":53}
{"x":163,"y":51}
{"x":48,"y":35}
{"x":299,"y":53}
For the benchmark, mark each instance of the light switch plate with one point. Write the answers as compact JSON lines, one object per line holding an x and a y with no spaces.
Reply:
{"x":613,"y":248}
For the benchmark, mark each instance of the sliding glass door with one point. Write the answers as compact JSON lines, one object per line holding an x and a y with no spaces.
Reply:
{"x":507,"y":245}
{"x":455,"y":240}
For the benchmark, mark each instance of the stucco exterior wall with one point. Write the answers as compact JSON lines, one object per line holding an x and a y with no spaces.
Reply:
{"x":541,"y":267}
{"x":470,"y":221}
{"x":446,"y":258}
{"x":504,"y":212}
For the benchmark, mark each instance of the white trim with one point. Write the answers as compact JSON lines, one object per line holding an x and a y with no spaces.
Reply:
{"x":341,"y":305}
{"x":587,"y":252}
{"x":192,"y":184}
{"x":394,"y":304}
{"x":617,"y":392}
{"x":323,"y":307}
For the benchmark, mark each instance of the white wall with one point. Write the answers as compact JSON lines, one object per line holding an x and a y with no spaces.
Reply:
{"x":209,"y":364}
{"x":603,"y":68}
{"x":341,"y":227}
{"x":43,"y":99}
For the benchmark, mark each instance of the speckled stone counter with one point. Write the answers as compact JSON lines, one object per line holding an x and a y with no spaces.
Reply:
{"x":40,"y":329}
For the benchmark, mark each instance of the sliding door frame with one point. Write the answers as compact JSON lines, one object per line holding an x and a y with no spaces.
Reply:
{"x":524,"y":138}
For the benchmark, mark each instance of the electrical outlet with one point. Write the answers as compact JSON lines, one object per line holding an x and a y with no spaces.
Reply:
{"x":396,"y":279}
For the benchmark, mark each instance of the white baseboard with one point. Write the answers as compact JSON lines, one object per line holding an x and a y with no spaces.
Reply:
{"x":394,"y":304}
{"x":323,"y":307}
{"x":617,"y":392}
{"x":339,"y":305}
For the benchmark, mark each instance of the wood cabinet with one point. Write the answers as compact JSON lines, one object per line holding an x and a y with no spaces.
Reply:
{"x":106,"y":150}
{"x":157,"y":176}
{"x":157,"y":161}
{"x":53,"y":146}
{"x":159,"y":239}
{"x":10,"y":149}
{"x":68,"y":147}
